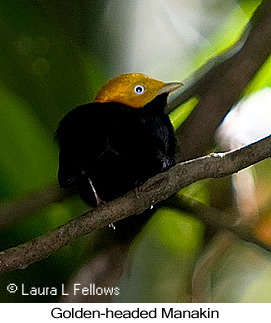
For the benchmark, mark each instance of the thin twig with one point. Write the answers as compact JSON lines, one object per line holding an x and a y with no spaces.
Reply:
{"x":11,"y":211}
{"x":217,"y":219}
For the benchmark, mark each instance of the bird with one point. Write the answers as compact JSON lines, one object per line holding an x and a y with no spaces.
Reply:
{"x":119,"y":140}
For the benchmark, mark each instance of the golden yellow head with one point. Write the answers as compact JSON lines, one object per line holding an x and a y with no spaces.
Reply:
{"x":135,"y":90}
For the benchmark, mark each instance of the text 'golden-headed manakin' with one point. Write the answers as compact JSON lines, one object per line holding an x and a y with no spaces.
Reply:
{"x":118,"y":141}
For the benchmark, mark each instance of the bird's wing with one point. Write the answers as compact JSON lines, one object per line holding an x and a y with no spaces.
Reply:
{"x":77,"y":138}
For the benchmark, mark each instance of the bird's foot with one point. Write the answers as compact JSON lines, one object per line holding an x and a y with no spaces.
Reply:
{"x":111,"y":225}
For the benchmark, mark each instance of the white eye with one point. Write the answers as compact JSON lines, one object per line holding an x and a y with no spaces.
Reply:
{"x":139,"y":89}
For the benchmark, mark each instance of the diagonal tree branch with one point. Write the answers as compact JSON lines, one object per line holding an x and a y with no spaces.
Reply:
{"x":214,"y":84}
{"x":158,"y":188}
{"x":216,"y":218}
{"x":222,"y":86}
{"x":11,"y":211}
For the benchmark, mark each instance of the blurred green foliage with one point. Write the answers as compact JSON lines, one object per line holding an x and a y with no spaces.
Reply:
{"x":44,"y":73}
{"x":163,"y":273}
{"x":51,"y":60}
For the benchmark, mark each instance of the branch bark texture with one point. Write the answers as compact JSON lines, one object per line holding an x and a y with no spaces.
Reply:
{"x":218,"y":87}
{"x":158,"y":188}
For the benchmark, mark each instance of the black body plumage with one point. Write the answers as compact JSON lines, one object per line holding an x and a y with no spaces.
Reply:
{"x":113,"y":147}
